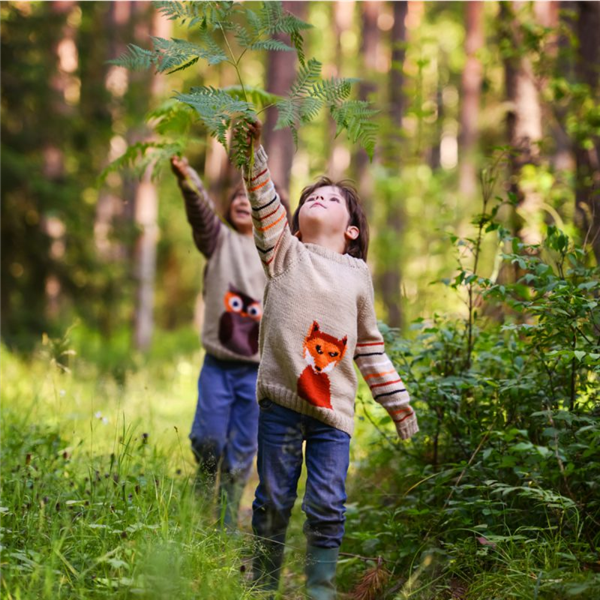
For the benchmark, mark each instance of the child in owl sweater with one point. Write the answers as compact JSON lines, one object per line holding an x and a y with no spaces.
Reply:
{"x":306,"y":384}
{"x":225,"y":425}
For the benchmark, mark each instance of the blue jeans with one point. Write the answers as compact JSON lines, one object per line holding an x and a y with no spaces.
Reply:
{"x":281,"y":432}
{"x":225,"y":427}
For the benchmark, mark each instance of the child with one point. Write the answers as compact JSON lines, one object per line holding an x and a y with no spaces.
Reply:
{"x":225,"y":426}
{"x":306,"y":381}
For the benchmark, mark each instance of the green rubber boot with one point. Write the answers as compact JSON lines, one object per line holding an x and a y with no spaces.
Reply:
{"x":230,"y":495}
{"x":266,"y":567}
{"x":320,"y":572}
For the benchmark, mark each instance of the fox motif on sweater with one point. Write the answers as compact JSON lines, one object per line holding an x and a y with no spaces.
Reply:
{"x":322,"y":352}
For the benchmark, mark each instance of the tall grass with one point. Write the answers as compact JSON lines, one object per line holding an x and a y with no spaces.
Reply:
{"x":96,"y":494}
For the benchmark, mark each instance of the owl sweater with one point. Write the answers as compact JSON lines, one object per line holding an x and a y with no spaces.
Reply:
{"x":234,"y":280}
{"x":319,"y":318}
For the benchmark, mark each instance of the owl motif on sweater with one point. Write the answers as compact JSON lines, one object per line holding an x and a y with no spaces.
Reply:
{"x":322,"y":352}
{"x":238,"y":325}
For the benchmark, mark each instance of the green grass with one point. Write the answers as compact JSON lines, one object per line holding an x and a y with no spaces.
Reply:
{"x":97,"y":502}
{"x":96,"y":495}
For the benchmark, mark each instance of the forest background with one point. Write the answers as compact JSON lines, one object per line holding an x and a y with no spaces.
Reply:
{"x":485,"y":223}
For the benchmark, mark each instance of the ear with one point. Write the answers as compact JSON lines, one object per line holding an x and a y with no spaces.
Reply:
{"x":314,"y":328}
{"x":352,"y":232}
{"x":345,"y":340}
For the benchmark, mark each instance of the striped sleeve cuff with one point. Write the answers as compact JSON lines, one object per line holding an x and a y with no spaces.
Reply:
{"x":386,"y":386}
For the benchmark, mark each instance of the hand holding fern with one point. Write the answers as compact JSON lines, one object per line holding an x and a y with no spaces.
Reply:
{"x":254,"y":134}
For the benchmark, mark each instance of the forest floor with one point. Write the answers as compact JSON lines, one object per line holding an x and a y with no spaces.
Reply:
{"x":97,"y":500}
{"x":97,"y":495}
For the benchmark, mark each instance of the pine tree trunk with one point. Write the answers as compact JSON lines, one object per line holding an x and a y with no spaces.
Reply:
{"x":390,"y":279}
{"x":587,"y":191}
{"x":368,"y":52}
{"x":61,"y":82}
{"x":281,"y":72}
{"x":472,"y":77}
{"x":145,"y":216}
{"x":524,"y":125}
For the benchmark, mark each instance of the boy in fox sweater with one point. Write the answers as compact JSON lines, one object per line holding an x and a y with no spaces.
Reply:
{"x":306,"y":384}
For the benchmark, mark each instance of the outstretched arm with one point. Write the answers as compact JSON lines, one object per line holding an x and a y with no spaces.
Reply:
{"x":380,"y":374}
{"x":271,"y":228}
{"x":200,"y":209}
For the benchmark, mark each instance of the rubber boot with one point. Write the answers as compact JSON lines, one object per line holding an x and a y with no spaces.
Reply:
{"x":266,"y":567}
{"x":230,"y":495}
{"x":320,"y":572}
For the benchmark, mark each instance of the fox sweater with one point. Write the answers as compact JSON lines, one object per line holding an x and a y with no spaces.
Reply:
{"x":318,"y":318}
{"x":234,"y":280}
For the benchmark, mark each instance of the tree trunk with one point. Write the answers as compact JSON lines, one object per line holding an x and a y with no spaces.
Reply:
{"x":390,"y":278}
{"x":281,"y":72}
{"x":472,"y":77}
{"x":524,"y":125}
{"x":145,"y":215}
{"x":367,"y":87}
{"x":64,"y":84}
{"x":587,"y":190}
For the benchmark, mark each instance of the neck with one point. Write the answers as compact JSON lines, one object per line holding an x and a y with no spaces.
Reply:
{"x":334,"y":243}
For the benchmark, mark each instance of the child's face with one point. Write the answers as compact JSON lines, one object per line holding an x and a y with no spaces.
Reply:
{"x":240,"y":213}
{"x":325,"y":212}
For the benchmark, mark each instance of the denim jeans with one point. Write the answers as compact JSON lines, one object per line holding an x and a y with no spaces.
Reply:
{"x":225,"y":427}
{"x":281,"y":432}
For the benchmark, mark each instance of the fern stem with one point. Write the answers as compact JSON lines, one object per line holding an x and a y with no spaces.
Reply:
{"x":265,"y":108}
{"x":235,"y":62}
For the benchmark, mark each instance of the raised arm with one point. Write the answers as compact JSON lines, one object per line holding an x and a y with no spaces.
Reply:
{"x":200,"y":209}
{"x":380,"y":374}
{"x":271,"y":228}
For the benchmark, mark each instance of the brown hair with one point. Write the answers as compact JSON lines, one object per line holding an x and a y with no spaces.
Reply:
{"x":358,"y":247}
{"x":240,"y":189}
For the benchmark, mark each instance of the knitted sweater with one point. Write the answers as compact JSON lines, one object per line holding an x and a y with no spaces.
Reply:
{"x":319,"y":317}
{"x":234,"y":280}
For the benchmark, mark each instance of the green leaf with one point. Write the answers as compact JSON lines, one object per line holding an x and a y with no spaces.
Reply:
{"x":271,"y":45}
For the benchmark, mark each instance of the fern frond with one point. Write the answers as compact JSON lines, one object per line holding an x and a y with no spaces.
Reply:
{"x":215,"y":54}
{"x":205,"y":13}
{"x":298,"y":43}
{"x":275,"y":20}
{"x":135,"y":59}
{"x":257,"y":96}
{"x":290,"y":24}
{"x":333,"y":90}
{"x":309,"y":109}
{"x":270,"y":45}
{"x":175,"y":54}
{"x":138,"y":157}
{"x":217,"y":109}
{"x":172,"y":118}
{"x":308,"y":74}
{"x":355,"y":116}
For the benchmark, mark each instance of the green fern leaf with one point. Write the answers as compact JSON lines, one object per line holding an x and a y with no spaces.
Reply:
{"x":215,"y":54}
{"x":270,"y":45}
{"x":135,"y":59}
{"x":172,"y":118}
{"x":308,"y":75}
{"x":309,"y":109}
{"x":138,"y":157}
{"x":257,"y":96}
{"x":333,"y":90}
{"x":217,"y":109}
{"x":355,"y":116}
{"x":205,"y":13}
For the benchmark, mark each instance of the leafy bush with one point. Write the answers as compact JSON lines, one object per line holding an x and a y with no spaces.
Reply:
{"x":500,"y":489}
